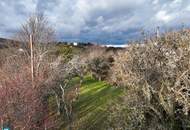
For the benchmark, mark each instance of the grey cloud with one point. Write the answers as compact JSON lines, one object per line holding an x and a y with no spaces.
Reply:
{"x":98,"y":21}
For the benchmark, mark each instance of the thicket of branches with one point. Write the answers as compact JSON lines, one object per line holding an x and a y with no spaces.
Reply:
{"x":99,"y":62}
{"x":157,"y":74}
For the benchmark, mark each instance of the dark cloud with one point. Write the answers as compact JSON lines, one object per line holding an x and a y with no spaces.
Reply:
{"x":103,"y":21}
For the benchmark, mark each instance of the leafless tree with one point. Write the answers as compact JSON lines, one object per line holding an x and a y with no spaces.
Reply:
{"x":99,"y":62}
{"x":65,"y":94}
{"x":37,"y":26}
{"x":23,"y":99}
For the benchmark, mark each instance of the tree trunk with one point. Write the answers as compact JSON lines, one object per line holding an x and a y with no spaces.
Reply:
{"x":58,"y":104}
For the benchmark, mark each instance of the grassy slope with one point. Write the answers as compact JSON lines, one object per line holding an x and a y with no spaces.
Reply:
{"x":91,"y":108}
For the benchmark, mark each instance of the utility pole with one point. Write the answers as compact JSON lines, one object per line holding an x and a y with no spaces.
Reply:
{"x":32,"y":59}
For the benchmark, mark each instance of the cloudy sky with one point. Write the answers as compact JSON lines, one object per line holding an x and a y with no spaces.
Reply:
{"x":102,"y":21}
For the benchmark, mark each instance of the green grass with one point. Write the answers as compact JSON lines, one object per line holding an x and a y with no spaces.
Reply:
{"x":90,"y":110}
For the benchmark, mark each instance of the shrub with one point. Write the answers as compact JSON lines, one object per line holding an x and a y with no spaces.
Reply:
{"x":159,"y":69}
{"x":99,"y":63}
{"x":68,"y":52}
{"x":22,"y":102}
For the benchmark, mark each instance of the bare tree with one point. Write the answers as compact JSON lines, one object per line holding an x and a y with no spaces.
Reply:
{"x":65,"y":94}
{"x":23,"y":96}
{"x":37,"y":26}
{"x":99,"y":62}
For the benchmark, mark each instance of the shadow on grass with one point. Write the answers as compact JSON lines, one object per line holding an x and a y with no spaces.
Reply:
{"x":89,"y":80}
{"x":90,"y":111}
{"x":93,"y":101}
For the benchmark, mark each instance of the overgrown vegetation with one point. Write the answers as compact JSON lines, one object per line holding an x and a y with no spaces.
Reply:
{"x":50,"y":86}
{"x":157,"y":73}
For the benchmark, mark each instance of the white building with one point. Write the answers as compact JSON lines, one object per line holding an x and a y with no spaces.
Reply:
{"x":75,"y":43}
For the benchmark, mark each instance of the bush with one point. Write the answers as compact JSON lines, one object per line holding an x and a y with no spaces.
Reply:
{"x":99,"y":67}
{"x":68,"y":52}
{"x":159,"y":70}
{"x":99,"y":62}
{"x":22,"y":101}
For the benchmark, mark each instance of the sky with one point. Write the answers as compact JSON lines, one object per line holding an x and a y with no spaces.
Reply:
{"x":99,"y":21}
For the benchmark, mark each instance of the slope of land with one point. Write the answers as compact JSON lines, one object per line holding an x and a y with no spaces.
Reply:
{"x":90,"y":111}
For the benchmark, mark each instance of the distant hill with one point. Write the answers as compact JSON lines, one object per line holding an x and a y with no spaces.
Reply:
{"x":4,"y":43}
